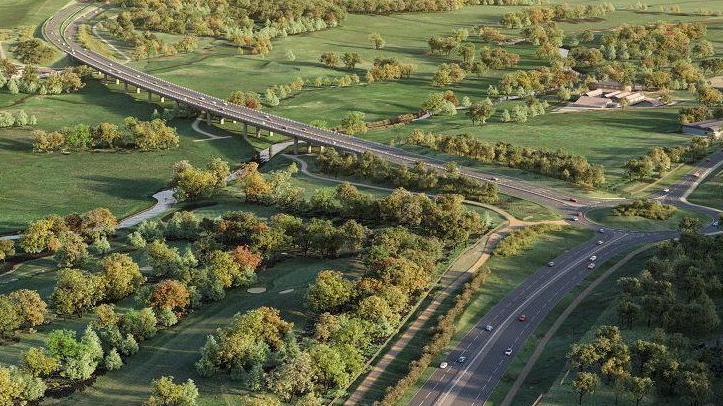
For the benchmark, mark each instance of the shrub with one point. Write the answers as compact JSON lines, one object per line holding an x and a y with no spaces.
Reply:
{"x":522,"y":239}
{"x":650,"y":209}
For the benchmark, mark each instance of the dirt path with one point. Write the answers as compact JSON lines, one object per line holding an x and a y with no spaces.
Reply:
{"x":561,"y":319}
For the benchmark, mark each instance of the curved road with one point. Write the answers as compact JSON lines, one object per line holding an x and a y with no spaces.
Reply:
{"x":471,"y":382}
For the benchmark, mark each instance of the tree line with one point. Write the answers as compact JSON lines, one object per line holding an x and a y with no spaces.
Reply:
{"x":151,"y":135}
{"x":558,"y":12}
{"x":69,"y":80}
{"x":18,"y":119}
{"x":658,"y":160}
{"x":520,"y":240}
{"x":558,"y":164}
{"x":419,"y":178}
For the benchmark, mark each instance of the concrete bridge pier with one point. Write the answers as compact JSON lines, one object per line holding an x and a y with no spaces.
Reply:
{"x":271,"y":133}
{"x":117,"y":81}
{"x":222,"y":120}
{"x":258,"y":132}
{"x":246,"y":130}
{"x":308,"y":148}
{"x":150,"y":96}
{"x":138,"y":90}
{"x":125,"y":86}
{"x":321,"y":149}
{"x":296,"y":145}
{"x":163,"y":99}
{"x":208,"y":118}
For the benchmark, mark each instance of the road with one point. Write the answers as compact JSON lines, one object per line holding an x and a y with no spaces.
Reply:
{"x":473,"y":381}
{"x":62,"y":34}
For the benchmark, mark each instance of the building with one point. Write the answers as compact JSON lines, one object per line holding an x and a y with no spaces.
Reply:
{"x":705,"y":128}
{"x":593,"y":102}
{"x":594,"y":93}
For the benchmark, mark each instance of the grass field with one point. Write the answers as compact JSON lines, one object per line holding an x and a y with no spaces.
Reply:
{"x":33,"y":185}
{"x":604,"y":216}
{"x":507,"y":273}
{"x":710,"y":192}
{"x":607,"y":138}
{"x":553,"y":360}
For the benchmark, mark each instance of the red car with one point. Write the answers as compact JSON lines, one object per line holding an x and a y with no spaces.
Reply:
{"x":522,"y":317}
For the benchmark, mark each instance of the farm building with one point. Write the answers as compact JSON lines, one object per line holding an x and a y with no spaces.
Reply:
{"x":593,"y":102}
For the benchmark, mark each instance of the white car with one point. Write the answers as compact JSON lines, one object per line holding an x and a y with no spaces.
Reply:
{"x":602,"y":230}
{"x":593,"y":258}
{"x":461,"y":359}
{"x":600,"y":242}
{"x":591,"y":266}
{"x":488,"y":327}
{"x":666,"y":190}
{"x":575,"y":218}
{"x":443,"y":365}
{"x":508,"y":351}
{"x":551,"y":264}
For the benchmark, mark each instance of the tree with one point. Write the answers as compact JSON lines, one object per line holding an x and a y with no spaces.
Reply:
{"x":330,"y":291}
{"x":167,"y":393}
{"x":42,"y":235}
{"x":13,"y":86}
{"x":480,"y":112}
{"x":141,"y":324}
{"x":170,"y":294}
{"x":639,"y":387}
{"x":30,"y":306}
{"x":354,"y":123}
{"x":689,"y":224}
{"x":584,"y":384}
{"x":34,"y":51}
{"x":190,"y":182}
{"x":255,"y":187}
{"x":39,"y":363}
{"x":248,"y":99}
{"x":122,"y":276}
{"x":107,"y":134}
{"x":72,"y":251}
{"x":76,"y":291}
{"x":351,"y":59}
{"x":10,"y":318}
{"x":17,"y":387}
{"x":330,"y":59}
{"x":377,"y":41}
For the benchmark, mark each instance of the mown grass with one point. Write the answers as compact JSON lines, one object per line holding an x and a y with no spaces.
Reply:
{"x":33,"y":185}
{"x":605,"y":217}
{"x":710,"y":192}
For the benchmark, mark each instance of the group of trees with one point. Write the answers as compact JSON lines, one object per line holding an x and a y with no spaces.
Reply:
{"x":273,"y":95}
{"x":77,"y":291}
{"x":353,"y":318}
{"x":190,"y":182}
{"x":66,"y":81}
{"x":68,"y":237}
{"x":250,"y":27}
{"x":20,"y":119}
{"x":659,"y":160}
{"x":417,"y":177}
{"x":21,"y":309}
{"x":673,"y":295}
{"x":699,"y":113}
{"x":650,"y":209}
{"x":444,"y":216}
{"x":395,"y":6}
{"x":388,"y":69}
{"x":448,"y":74}
{"x":151,"y":135}
{"x":558,"y":164}
{"x":33,"y":51}
{"x":558,"y":12}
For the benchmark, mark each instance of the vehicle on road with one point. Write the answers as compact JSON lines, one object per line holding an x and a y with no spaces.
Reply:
{"x":716,"y":223}
{"x":551,"y":264}
{"x":666,"y":190}
{"x":572,"y":199}
{"x":591,"y":265}
{"x":488,"y":327}
{"x":443,"y":365}
{"x":508,"y":351}
{"x":461,"y":359}
{"x":575,"y":218}
{"x":495,"y":179}
{"x":593,"y":258}
{"x":600,"y":242}
{"x":602,"y":230}
{"x":522,"y":317}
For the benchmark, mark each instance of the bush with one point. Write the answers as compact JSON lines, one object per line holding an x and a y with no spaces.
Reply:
{"x":522,"y":239}
{"x":650,"y":209}
{"x":113,"y":360}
